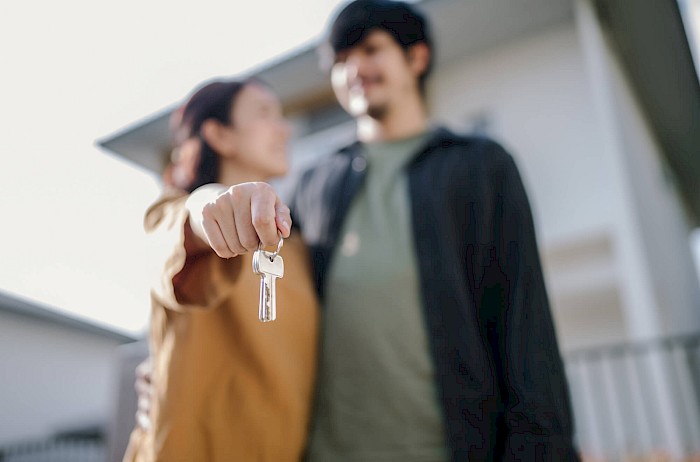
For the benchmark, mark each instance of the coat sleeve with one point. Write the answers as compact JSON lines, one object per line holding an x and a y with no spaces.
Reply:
{"x":537,"y":416}
{"x":184,"y":279}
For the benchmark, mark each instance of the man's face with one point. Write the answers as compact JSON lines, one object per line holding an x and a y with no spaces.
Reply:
{"x":374,"y":76}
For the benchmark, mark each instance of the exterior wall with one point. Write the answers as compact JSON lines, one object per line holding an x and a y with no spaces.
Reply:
{"x":602,"y":206}
{"x":658,"y":214}
{"x":124,"y":398}
{"x":54,"y":378}
{"x":657,"y":282}
{"x":660,"y":284}
{"x":661,"y":221}
{"x":534,"y":97}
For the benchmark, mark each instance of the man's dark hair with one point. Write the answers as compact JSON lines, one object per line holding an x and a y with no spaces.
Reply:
{"x":403,"y":21}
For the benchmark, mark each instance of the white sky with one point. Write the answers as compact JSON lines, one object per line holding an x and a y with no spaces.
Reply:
{"x":77,"y":70}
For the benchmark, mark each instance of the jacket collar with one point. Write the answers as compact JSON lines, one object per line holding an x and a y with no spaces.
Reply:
{"x":439,"y":137}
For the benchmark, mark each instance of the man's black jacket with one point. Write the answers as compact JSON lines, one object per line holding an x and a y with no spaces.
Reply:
{"x":500,"y":377}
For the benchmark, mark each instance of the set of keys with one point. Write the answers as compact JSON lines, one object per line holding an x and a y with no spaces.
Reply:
{"x":270,"y":267}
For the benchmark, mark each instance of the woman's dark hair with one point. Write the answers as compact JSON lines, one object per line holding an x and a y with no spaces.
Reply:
{"x":214,"y":100}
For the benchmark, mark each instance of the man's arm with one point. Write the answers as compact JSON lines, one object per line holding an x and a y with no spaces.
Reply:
{"x":537,"y":409}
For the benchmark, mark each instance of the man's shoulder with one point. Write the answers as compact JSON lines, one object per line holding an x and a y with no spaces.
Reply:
{"x":322,"y":178}
{"x":470,"y":148}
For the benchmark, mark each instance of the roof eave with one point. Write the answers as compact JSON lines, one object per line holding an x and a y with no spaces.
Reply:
{"x":650,"y":40}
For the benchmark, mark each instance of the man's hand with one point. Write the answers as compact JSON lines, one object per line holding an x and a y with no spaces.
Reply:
{"x":235,"y":220}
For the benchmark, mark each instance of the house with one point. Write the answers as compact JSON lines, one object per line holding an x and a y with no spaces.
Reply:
{"x":599,"y":102}
{"x":57,"y":378}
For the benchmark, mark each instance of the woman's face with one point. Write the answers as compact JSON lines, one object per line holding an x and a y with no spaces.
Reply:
{"x":260,"y":132}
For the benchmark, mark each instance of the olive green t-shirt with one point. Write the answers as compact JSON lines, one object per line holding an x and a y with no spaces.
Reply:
{"x":377,"y":395}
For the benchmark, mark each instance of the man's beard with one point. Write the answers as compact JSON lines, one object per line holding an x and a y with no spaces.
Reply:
{"x":377,"y":111}
{"x":359,"y":106}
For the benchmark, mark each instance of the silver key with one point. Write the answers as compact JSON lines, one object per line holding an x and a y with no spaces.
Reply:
{"x":270,"y":267}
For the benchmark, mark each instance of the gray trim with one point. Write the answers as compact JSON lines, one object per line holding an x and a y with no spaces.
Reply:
{"x":37,"y":311}
{"x":145,"y":143}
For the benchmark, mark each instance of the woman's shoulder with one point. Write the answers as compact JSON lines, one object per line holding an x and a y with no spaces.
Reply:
{"x":171,"y":202}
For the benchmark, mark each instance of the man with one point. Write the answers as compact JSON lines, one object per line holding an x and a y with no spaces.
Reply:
{"x":437,"y":340}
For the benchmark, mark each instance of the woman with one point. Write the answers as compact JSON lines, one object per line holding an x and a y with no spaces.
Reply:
{"x":226,"y":386}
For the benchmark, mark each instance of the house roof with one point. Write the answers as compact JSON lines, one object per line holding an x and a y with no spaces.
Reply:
{"x":648,"y":36}
{"x":458,"y":31}
{"x":37,"y":311}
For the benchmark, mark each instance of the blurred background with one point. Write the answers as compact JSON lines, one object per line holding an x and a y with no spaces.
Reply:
{"x":598,"y":100}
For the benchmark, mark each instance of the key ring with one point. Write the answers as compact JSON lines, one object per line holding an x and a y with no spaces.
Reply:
{"x":279,"y":246}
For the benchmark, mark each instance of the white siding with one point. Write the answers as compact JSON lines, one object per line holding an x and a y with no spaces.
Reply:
{"x":535,"y":94}
{"x":53,"y":378}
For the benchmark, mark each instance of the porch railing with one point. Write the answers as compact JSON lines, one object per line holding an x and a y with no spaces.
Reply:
{"x":632,"y":401}
{"x":637,"y":400}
